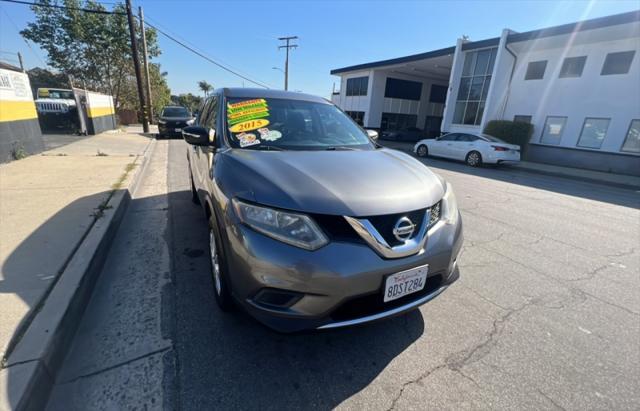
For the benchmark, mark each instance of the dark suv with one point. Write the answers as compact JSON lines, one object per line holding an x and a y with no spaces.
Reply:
{"x":312,"y":224}
{"x":172,"y":120}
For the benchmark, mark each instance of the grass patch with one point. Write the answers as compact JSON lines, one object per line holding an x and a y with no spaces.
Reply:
{"x":18,"y":152}
{"x":101,"y":154}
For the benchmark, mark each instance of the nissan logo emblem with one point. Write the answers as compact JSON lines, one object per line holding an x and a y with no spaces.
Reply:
{"x":403,"y":230}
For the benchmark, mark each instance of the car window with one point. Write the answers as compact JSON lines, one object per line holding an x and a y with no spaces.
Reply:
{"x":291,"y":125}
{"x":449,"y":137}
{"x":204,"y":113}
{"x":492,"y":138}
{"x":175,"y":112}
{"x":212,"y":110}
{"x":468,"y":138}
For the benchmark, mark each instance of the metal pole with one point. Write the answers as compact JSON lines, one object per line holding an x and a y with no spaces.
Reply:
{"x":286,"y":60}
{"x":136,"y":65}
{"x":145,"y":61}
{"x":21,"y":63}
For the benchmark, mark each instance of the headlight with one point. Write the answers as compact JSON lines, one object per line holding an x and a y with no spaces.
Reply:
{"x":190,"y":122}
{"x":291,"y":228}
{"x":449,"y":206}
{"x":162,"y":122}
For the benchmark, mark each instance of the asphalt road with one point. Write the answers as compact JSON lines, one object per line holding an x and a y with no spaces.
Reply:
{"x":546,"y":314}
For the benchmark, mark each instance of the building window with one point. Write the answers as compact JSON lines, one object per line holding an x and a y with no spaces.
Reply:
{"x":357,"y":86}
{"x":535,"y":70}
{"x":553,"y":128}
{"x":617,"y":63}
{"x":395,"y":121}
{"x":474,"y":86}
{"x":405,"y":89}
{"x":593,"y":132}
{"x":438,"y":94}
{"x":357,"y":116}
{"x":522,"y":119}
{"x":632,"y":141}
{"x":572,"y":67}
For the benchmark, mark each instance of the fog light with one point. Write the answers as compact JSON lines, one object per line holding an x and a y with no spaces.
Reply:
{"x":272,"y":298}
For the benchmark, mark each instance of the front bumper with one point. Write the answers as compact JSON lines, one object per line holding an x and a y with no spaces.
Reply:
{"x":170,"y":130}
{"x":340,"y":283}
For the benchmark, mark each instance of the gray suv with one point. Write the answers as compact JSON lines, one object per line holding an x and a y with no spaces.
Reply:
{"x":312,"y":225}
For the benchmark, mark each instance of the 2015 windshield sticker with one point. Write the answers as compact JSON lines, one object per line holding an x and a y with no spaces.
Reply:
{"x":249,"y":125}
{"x":269,"y":135}
{"x":246,"y":117}
{"x":247,"y":139}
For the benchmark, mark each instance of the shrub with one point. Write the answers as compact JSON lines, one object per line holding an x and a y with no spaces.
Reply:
{"x":513,"y":132}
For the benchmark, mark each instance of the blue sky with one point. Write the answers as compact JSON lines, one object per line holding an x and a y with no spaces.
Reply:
{"x":332,"y":34}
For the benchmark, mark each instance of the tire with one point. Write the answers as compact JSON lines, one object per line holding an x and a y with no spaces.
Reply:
{"x":159,"y":136}
{"x":218,"y":269}
{"x":473,"y":159}
{"x":194,"y":193}
{"x":422,"y":151}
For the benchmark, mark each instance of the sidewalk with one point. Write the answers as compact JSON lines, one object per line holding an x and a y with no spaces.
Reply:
{"x":618,"y":180}
{"x":48,"y":203}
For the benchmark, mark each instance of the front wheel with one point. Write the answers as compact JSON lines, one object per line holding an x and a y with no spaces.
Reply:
{"x":218,"y":269}
{"x":422,"y":151}
{"x":474,"y":159}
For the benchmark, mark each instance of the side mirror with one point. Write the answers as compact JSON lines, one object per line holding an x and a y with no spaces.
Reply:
{"x":196,"y":135}
{"x":373,"y":135}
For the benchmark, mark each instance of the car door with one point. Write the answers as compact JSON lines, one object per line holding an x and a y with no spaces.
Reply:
{"x":463,"y":145}
{"x":442,"y":146}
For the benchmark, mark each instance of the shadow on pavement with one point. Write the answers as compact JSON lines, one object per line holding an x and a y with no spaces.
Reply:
{"x":34,"y":266}
{"x":562,"y":185}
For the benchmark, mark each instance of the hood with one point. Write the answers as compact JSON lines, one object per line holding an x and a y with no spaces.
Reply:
{"x":351,"y":183}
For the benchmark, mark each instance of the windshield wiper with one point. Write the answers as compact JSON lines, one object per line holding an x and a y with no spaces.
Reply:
{"x":267,"y":148}
{"x":340,"y":148}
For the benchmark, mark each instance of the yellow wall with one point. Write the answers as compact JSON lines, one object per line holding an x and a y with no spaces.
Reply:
{"x":99,"y":111}
{"x":17,"y":110}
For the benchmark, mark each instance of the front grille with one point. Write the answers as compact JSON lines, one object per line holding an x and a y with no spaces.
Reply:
{"x":385,"y":223}
{"x":52,"y":107}
{"x":176,"y":124}
{"x":371,"y":304}
{"x":337,"y":228}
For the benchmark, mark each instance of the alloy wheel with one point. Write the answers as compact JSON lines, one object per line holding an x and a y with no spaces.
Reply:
{"x":215,"y":265}
{"x":422,"y":151}
{"x":473,"y":159}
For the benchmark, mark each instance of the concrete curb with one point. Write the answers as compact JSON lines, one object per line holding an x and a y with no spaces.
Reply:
{"x":32,"y":365}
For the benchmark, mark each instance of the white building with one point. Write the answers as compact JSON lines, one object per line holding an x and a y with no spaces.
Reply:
{"x":578,"y":84}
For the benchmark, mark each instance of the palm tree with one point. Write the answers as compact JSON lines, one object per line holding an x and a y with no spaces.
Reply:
{"x":206,"y":87}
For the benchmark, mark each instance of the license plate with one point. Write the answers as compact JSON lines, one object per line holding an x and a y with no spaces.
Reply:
{"x":404,"y":283}
{"x":178,"y":130}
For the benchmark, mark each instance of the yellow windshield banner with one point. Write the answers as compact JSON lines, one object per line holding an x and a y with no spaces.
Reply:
{"x":249,"y":125}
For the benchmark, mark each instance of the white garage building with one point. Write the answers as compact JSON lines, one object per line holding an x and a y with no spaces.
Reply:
{"x":578,"y":84}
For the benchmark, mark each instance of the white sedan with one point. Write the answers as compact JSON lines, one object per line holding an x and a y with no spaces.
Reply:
{"x":474,"y":149}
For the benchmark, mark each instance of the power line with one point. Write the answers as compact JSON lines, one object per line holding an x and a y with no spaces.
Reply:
{"x":57,"y":6}
{"x":182,"y":39}
{"x":25,"y":40}
{"x":222,"y":66}
{"x":210,"y":60}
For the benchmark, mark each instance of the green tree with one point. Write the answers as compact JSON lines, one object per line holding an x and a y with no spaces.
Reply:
{"x":94,"y":49}
{"x":188,"y":100}
{"x":205,"y":87}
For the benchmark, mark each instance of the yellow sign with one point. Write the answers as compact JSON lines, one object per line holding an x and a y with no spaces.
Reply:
{"x":43,"y":92}
{"x":249,"y":125}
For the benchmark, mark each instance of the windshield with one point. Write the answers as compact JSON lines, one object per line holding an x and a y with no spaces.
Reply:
{"x":492,"y":138}
{"x":281,"y":124}
{"x":175,"y":112}
{"x":61,"y":94}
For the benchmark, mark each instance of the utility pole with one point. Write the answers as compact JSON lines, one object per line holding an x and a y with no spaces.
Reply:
{"x":145,"y":61}
{"x":136,"y":65}
{"x":286,"y":60}
{"x":21,"y":63}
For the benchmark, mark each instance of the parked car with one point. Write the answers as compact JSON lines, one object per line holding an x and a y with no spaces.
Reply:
{"x":57,"y":109}
{"x":172,"y":120}
{"x":312,"y":225}
{"x":409,"y":134}
{"x":474,"y":149}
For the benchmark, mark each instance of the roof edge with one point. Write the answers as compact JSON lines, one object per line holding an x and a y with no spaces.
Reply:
{"x":399,"y":60}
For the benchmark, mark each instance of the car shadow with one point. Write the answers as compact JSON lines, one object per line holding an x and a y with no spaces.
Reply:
{"x":562,"y":185}
{"x":229,"y":361}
